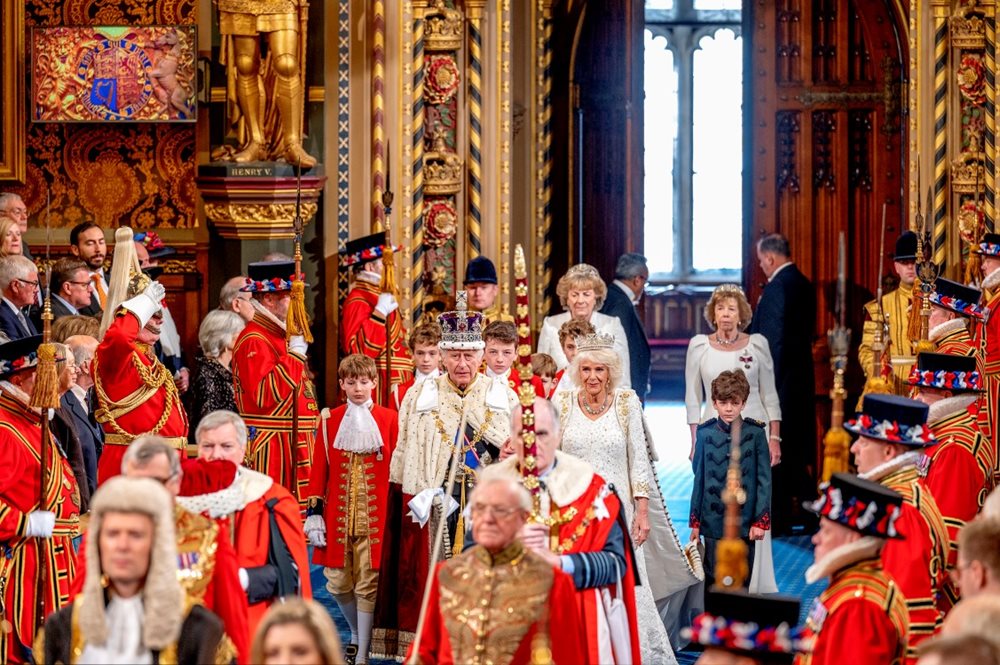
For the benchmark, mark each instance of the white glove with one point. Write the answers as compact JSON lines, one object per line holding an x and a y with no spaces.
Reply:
{"x":147,"y":303}
{"x":298,"y":344}
{"x":155,"y":292}
{"x":244,"y":579}
{"x":386,"y":304}
{"x":315,"y":528}
{"x":40,"y":524}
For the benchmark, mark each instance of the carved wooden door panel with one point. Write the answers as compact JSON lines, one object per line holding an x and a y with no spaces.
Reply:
{"x":826,"y":149}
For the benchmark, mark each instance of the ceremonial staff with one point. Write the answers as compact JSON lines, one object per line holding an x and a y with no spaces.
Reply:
{"x":731,"y":569}
{"x":913,"y":324}
{"x":297,"y":319}
{"x":927,"y":272}
{"x":388,"y":276}
{"x":45,"y":396}
{"x":837,"y":441}
{"x":526,"y":391}
{"x":877,"y":381}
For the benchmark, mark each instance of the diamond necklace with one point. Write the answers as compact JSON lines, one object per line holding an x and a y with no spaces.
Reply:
{"x":726,"y":342}
{"x":599,"y":411}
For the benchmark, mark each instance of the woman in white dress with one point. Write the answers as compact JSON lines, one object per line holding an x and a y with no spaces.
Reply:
{"x":603,"y":425}
{"x":581,"y":292}
{"x":729,"y":348}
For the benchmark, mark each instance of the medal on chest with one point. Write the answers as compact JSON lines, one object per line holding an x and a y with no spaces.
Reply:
{"x":817,"y":616}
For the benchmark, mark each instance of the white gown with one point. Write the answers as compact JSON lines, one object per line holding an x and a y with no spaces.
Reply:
{"x":602,"y":443}
{"x":548,"y":340}
{"x":704,"y":363}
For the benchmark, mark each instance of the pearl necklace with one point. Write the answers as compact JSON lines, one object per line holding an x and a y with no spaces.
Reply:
{"x":599,"y":411}
{"x":726,"y":342}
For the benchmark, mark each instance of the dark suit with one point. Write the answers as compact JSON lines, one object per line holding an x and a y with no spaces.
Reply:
{"x":12,"y":326}
{"x":60,"y":310}
{"x":786,"y":315}
{"x":618,"y":304}
{"x":90,"y":434}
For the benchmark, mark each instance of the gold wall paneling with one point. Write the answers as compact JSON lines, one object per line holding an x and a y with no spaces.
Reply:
{"x":12,"y":103}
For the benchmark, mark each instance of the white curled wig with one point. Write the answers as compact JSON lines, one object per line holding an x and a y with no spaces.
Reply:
{"x":162,"y":596}
{"x":606,"y":357}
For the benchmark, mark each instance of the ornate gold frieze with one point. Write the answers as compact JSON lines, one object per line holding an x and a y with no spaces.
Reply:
{"x":443,"y":28}
{"x":443,"y":170}
{"x":256,"y":220}
{"x":968,"y":29}
{"x":966,"y":172}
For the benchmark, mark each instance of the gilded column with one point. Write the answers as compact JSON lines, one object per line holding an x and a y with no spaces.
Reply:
{"x":416,"y":216}
{"x":343,"y":135}
{"x":543,"y":160}
{"x":378,"y":113}
{"x":940,"y":204}
{"x":506,"y":138}
{"x":475,"y":191}
{"x":991,"y":66}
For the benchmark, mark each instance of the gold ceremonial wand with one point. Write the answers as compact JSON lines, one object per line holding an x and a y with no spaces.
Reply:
{"x":913,"y":324}
{"x":876,"y":382}
{"x":731,"y":569}
{"x":45,"y":396}
{"x":388,"y":272}
{"x":927,"y":272}
{"x":974,"y":263}
{"x":837,"y":441}
{"x":297,"y":320}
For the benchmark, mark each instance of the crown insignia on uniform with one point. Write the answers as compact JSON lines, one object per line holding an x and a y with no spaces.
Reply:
{"x":595,"y":342}
{"x":461,"y":329}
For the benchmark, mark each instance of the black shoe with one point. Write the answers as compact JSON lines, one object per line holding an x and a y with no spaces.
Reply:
{"x":351,"y":653}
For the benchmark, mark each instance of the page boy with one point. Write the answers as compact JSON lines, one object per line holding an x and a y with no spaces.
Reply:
{"x":426,"y":359}
{"x":347,"y":494}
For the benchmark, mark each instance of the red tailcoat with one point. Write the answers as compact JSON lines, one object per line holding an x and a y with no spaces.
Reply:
{"x":959,"y":477}
{"x":859,"y":619}
{"x":331,"y":472}
{"x":918,"y":561}
{"x":136,"y":394}
{"x":988,"y":343}
{"x":960,"y":342}
{"x":208,"y":572}
{"x":269,"y":381}
{"x":957,"y":343}
{"x":20,"y":481}
{"x":363,"y":330}
{"x":484,"y":609}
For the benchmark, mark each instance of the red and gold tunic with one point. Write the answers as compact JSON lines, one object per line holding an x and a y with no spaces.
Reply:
{"x":136,"y":394}
{"x":20,"y":481}
{"x":988,"y":343}
{"x":498,"y":608}
{"x":270,"y":381}
{"x":361,"y":486}
{"x":859,"y":619}
{"x":918,"y":561}
{"x":959,"y":476}
{"x":363,"y":330}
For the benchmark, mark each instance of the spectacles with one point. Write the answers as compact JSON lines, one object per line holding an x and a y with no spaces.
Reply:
{"x":80,"y":283}
{"x":499,"y":512}
{"x":33,"y":285}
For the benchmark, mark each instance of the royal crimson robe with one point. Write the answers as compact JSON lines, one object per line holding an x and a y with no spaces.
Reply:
{"x":20,"y":483}
{"x":989,"y":345}
{"x":336,"y":490}
{"x":363,"y":330}
{"x":135,"y":393}
{"x":275,"y":397}
{"x":498,"y":608}
{"x":240,"y":506}
{"x":859,"y":619}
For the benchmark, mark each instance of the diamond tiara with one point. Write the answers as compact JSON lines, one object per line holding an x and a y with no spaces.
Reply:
{"x":595,"y":341}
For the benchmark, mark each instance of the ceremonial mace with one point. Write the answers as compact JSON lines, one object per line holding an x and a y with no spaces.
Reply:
{"x":837,"y":441}
{"x":297,"y":319}
{"x":45,"y":396}
{"x":731,"y":569}
{"x":927,"y":271}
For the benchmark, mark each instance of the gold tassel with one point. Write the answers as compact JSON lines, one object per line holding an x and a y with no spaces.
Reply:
{"x":973,"y":267}
{"x":46,"y":392}
{"x":877,"y":385}
{"x":731,"y":569}
{"x":836,"y":444}
{"x":297,"y":322}
{"x":388,"y":269}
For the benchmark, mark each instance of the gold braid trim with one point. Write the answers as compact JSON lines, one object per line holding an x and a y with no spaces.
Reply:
{"x":476,"y":437}
{"x":153,"y":378}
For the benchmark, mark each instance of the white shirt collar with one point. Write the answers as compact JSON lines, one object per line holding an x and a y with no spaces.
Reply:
{"x":628,"y":291}
{"x":72,"y":310}
{"x":81,"y":395}
{"x":777,"y":270}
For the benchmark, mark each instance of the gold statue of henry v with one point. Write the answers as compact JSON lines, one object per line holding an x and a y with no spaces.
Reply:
{"x":265,"y":100}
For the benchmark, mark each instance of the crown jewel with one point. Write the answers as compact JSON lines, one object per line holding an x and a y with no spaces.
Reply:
{"x":461,"y":329}
{"x":595,"y":341}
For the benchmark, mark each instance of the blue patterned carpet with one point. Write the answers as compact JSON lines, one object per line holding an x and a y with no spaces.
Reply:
{"x":667,"y":422}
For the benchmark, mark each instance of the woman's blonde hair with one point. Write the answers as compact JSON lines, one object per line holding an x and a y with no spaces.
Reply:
{"x":5,"y":225}
{"x":723,"y":291}
{"x":606,"y":357}
{"x":310,"y":615}
{"x":582,"y":276}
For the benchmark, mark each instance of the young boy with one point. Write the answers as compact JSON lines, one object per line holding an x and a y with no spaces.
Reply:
{"x":426,"y":359}
{"x":347,"y":494}
{"x":543,"y":367}
{"x":568,"y":333}
{"x":730,"y":391}
{"x":501,"y":351}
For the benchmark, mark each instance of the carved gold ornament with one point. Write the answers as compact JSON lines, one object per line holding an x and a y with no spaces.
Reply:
{"x":443,"y":29}
{"x":966,"y":171}
{"x":968,"y":29}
